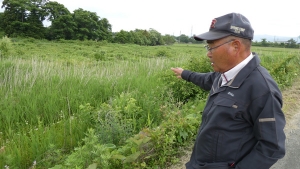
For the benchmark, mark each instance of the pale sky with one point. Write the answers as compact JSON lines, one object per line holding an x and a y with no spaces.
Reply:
{"x":271,"y":17}
{"x":267,"y":17}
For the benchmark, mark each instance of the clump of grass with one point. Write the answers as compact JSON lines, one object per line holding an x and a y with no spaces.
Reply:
{"x":5,"y":47}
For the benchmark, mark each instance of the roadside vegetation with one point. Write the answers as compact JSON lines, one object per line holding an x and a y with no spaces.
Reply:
{"x":95,"y":104}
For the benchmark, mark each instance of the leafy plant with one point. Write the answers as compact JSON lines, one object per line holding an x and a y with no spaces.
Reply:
{"x":181,"y":89}
{"x":118,"y":120}
{"x":5,"y":46}
{"x":162,"y":53}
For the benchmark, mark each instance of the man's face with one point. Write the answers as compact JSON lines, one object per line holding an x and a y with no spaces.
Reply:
{"x":219,"y":54}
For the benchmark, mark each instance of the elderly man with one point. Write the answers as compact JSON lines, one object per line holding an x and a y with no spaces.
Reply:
{"x":242,"y":123}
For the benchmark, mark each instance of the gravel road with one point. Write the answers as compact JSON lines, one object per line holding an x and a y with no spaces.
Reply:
{"x":292,"y":156}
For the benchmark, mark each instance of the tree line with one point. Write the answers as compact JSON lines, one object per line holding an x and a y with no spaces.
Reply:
{"x":291,"y":43}
{"x":25,"y":18}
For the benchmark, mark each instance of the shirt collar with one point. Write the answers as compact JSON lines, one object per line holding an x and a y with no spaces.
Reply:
{"x":230,"y":74}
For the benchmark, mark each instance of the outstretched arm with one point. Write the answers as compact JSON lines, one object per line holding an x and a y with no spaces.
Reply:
{"x":203,"y":80}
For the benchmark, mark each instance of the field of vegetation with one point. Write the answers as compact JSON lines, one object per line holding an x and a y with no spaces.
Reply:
{"x":87,"y":104}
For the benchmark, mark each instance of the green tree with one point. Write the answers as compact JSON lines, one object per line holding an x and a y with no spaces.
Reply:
{"x":105,"y":30}
{"x":155,"y":37}
{"x":14,"y":16}
{"x":1,"y":24}
{"x":291,"y":43}
{"x":35,"y":19}
{"x":122,"y":37}
{"x":264,"y":42}
{"x":54,"y":10}
{"x":136,"y":38}
{"x":88,"y":25}
{"x":24,"y":18}
{"x":62,"y":22}
{"x":183,"y":38}
{"x":144,"y":37}
{"x":168,"y":39}
{"x":62,"y":28}
{"x":140,"y":37}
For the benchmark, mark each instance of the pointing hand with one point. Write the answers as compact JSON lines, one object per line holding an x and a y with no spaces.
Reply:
{"x":178,"y":71}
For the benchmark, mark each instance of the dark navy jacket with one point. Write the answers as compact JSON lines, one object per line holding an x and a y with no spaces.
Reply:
{"x":242,"y":123}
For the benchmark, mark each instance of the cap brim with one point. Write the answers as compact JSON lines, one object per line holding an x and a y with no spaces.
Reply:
{"x":211,"y":36}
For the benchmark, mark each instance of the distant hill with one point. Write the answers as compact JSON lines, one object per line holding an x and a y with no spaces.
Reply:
{"x":271,"y":38}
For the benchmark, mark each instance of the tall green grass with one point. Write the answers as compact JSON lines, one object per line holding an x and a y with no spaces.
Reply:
{"x":53,"y":92}
{"x":41,"y":100}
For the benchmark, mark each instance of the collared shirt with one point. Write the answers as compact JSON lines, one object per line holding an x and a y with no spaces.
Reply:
{"x":230,"y":74}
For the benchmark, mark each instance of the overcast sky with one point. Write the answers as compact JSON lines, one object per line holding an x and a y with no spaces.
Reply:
{"x":270,"y":17}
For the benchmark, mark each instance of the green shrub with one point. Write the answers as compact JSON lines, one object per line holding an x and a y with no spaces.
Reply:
{"x":100,"y":56}
{"x":183,"y":90}
{"x":150,"y":148}
{"x":118,"y":120}
{"x":162,"y":53}
{"x":30,"y":40}
{"x":283,"y":69}
{"x":5,"y":47}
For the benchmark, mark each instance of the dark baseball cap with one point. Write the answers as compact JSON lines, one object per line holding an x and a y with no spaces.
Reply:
{"x":234,"y":24}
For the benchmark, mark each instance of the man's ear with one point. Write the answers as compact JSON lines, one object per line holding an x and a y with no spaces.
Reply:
{"x":236,"y":45}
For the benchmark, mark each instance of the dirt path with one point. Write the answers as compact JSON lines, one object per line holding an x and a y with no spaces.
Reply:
{"x":291,"y":108}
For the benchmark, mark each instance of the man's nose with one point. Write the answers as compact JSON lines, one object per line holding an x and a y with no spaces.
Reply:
{"x":208,"y":54}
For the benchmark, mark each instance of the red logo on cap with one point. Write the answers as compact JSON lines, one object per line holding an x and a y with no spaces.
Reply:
{"x":213,"y":22}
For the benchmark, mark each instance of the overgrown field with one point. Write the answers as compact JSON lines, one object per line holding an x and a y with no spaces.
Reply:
{"x":87,"y":104}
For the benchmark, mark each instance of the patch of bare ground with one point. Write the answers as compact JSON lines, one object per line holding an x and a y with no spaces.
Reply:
{"x":291,"y":107}
{"x":291,"y":98}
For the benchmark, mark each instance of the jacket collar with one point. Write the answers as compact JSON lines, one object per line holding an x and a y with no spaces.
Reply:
{"x":237,"y":81}
{"x":230,"y":74}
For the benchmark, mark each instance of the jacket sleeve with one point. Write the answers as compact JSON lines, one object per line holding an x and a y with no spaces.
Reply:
{"x":269,"y":122}
{"x":203,"y":80}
